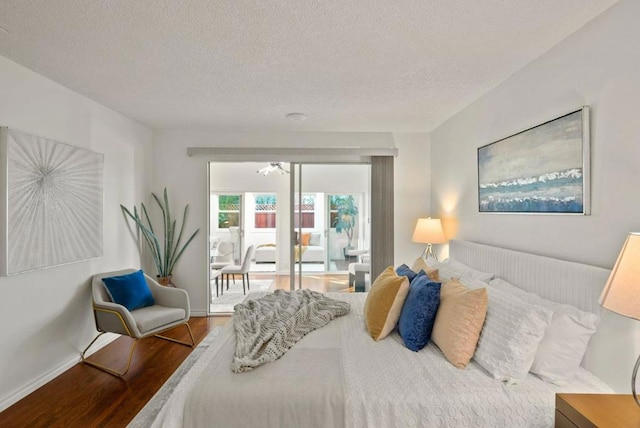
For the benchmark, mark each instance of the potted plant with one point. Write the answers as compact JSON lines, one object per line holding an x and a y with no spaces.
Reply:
{"x":166,"y":251}
{"x":346,"y":217}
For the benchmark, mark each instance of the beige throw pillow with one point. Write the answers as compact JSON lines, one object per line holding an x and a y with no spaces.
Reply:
{"x":459,"y":321}
{"x":384,"y":303}
{"x":420,"y":264}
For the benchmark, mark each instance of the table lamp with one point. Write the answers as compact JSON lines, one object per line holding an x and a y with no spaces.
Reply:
{"x":622,"y":292}
{"x":429,"y":231}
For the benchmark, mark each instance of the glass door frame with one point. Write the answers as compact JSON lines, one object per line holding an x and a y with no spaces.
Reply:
{"x":296,"y":196}
{"x":333,"y":155}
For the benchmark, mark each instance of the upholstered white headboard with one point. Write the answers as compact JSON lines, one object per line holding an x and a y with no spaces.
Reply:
{"x":613,"y":349}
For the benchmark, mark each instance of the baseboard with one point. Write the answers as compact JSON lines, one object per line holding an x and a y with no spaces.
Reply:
{"x":199,"y":313}
{"x":9,"y":401}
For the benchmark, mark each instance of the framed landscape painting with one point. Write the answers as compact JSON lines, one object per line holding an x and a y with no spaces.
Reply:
{"x":544,"y":169}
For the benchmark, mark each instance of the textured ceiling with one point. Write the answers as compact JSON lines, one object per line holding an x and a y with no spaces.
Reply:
{"x":358,"y":65}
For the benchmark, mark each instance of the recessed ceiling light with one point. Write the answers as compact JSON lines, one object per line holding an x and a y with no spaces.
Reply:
{"x":297,"y":116}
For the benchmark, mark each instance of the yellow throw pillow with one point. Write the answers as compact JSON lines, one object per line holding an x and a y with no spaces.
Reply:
{"x":384,"y":303}
{"x":420,"y":264}
{"x":459,"y":321}
{"x":305,"y":238}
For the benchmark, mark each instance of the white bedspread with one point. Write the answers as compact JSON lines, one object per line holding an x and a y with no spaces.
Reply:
{"x":383,"y":385}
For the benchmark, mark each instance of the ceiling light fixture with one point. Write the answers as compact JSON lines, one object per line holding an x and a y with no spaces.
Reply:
{"x":273,"y":167}
{"x":298,"y":117}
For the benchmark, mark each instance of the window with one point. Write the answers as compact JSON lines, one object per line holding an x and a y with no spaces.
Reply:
{"x":265,"y":211}
{"x":307,"y":212}
{"x":228,"y":211}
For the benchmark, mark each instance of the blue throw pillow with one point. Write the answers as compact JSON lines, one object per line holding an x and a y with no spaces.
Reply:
{"x":130,"y":291}
{"x":419,"y":312}
{"x":404,"y":270}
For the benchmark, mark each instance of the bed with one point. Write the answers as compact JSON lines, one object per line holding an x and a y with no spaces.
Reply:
{"x":337,"y":376}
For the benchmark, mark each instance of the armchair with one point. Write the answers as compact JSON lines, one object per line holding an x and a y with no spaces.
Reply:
{"x":171,"y":309}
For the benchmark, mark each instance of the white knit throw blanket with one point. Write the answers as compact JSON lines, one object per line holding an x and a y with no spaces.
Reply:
{"x":268,"y":327}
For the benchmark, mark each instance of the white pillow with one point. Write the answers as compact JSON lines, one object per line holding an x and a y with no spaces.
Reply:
{"x":471,"y":282}
{"x":565,"y":341}
{"x":314,"y":239}
{"x":510,"y":336}
{"x":458,"y":269}
{"x":451,"y":268}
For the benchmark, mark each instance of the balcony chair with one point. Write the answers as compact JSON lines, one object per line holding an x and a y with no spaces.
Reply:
{"x":234,"y":237}
{"x":357,"y":272}
{"x":242,"y":269}
{"x":224,"y":255}
{"x":171,"y":309}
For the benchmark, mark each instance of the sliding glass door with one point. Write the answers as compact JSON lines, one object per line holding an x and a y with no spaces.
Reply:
{"x":308,"y":222}
{"x":329,"y":221}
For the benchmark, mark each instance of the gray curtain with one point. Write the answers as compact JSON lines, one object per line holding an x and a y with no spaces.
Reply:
{"x":381,"y":214}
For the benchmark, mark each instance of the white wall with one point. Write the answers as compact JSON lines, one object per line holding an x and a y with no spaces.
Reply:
{"x":412,"y":180}
{"x":186,"y":179}
{"x":46,"y":315}
{"x":596,"y":66}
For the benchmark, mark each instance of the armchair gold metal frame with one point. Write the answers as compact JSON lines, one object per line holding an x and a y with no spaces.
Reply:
{"x":170,"y":303}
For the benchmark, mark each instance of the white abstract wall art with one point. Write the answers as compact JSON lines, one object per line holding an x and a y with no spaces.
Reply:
{"x":50,"y":203}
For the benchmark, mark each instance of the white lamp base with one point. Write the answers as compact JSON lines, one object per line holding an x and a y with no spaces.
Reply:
{"x":428,"y":252}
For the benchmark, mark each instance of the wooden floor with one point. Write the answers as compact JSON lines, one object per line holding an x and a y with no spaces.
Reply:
{"x":86,"y":397}
{"x":326,"y":283}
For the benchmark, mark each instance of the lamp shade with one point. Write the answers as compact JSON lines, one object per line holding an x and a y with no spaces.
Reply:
{"x":429,"y":231}
{"x":622,"y":292}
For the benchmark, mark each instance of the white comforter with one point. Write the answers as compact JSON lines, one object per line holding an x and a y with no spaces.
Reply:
{"x":337,"y":376}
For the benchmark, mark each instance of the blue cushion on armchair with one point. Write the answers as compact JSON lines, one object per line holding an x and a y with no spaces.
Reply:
{"x":130,"y":290}
{"x":419,"y":312}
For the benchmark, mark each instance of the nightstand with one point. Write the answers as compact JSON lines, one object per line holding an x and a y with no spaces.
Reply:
{"x":596,"y":410}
